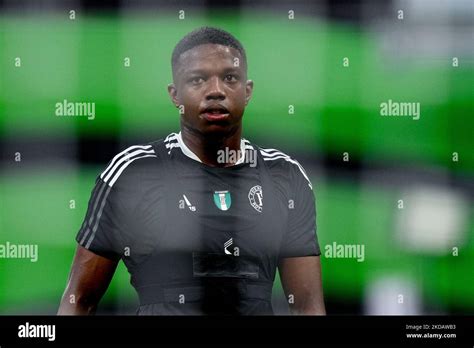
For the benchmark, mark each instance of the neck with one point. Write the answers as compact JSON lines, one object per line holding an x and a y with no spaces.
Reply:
{"x":207,"y":147}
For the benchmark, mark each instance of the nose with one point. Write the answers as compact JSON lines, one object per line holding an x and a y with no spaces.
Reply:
{"x":215,"y":89}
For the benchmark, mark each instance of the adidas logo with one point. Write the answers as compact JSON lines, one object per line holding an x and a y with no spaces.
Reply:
{"x":226,"y":245}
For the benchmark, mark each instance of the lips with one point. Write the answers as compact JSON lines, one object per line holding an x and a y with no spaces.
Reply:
{"x":215,"y":113}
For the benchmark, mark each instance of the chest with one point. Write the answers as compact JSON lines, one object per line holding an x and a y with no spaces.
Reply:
{"x":237,"y":213}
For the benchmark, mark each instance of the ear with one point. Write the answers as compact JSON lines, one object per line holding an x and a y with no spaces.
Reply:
{"x":248,"y":91}
{"x":173,"y":93}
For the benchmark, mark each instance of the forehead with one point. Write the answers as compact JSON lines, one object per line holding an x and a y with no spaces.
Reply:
{"x":208,"y":56}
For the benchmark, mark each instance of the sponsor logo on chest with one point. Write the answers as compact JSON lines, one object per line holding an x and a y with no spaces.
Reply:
{"x":222,"y":199}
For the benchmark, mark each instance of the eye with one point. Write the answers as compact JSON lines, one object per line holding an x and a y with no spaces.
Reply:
{"x":196,"y":80}
{"x":230,"y":78}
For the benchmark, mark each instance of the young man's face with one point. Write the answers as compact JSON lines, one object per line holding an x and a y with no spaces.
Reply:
{"x":210,"y":83}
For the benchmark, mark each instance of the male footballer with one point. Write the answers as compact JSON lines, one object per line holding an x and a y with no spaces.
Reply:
{"x":203,"y":218}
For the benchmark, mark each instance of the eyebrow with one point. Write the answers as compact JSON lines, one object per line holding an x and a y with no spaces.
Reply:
{"x":203,"y":71}
{"x":194,"y":71}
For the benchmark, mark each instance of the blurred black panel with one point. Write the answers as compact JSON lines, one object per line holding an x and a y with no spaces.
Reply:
{"x":335,"y":306}
{"x":335,"y":166}
{"x":97,"y":150}
{"x":35,"y":6}
{"x":163,"y":5}
{"x":97,"y":5}
{"x":223,"y":3}
{"x":345,"y":10}
{"x":36,"y":151}
{"x":356,"y":11}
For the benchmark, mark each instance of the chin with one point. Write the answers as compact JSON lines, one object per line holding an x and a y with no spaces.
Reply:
{"x":218,"y":129}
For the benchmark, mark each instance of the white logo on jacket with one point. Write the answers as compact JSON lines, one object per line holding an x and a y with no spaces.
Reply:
{"x":256,"y":198}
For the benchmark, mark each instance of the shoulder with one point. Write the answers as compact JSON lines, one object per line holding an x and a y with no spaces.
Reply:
{"x":130,"y":163}
{"x":280,"y":163}
{"x":135,"y":161}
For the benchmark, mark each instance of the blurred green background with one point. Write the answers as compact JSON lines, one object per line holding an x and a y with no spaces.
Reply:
{"x":299,"y":63}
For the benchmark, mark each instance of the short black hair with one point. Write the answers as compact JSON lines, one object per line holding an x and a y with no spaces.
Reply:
{"x":202,"y":36}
